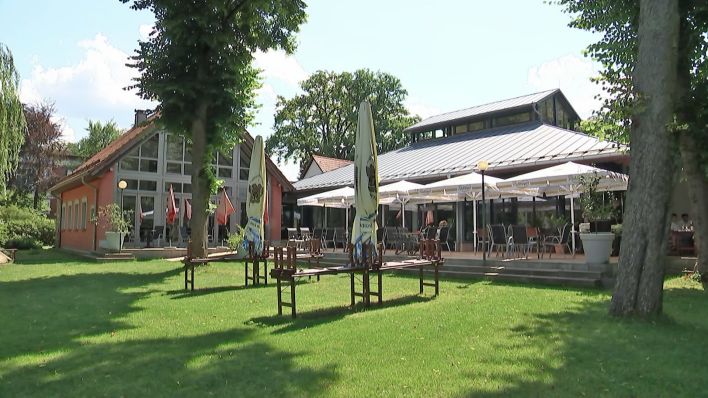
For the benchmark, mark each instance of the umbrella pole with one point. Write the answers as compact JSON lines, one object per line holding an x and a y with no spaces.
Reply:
{"x":474,"y":223}
{"x":572,"y":221}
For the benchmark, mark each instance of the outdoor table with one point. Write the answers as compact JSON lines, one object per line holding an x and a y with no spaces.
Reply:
{"x":286,"y":272}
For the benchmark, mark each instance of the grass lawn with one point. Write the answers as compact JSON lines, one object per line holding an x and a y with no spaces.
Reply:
{"x":72,"y":328}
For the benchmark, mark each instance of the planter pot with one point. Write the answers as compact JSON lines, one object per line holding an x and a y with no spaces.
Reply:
{"x":598,"y":247}
{"x":114,"y":240}
{"x":560,"y":249}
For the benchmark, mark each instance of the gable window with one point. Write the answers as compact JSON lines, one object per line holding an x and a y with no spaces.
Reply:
{"x":178,"y":155}
{"x":244,"y":165}
{"x":224,"y":165}
{"x":143,"y":158}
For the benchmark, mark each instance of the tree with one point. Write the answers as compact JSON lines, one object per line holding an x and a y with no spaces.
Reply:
{"x":197,"y":63}
{"x":40,"y":153}
{"x":12,"y":119}
{"x":99,"y":136}
{"x":323,"y":119}
{"x":617,"y":50}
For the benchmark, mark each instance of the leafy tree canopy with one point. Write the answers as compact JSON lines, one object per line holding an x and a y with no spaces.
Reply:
{"x":323,"y":119}
{"x":99,"y":136}
{"x":12,"y":119}
{"x":40,"y":153}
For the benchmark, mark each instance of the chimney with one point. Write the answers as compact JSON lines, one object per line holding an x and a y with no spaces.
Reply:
{"x":141,"y":116}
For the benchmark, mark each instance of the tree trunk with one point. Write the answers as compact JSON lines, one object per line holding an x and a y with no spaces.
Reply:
{"x":200,"y":183}
{"x":35,"y":199}
{"x":640,"y":276}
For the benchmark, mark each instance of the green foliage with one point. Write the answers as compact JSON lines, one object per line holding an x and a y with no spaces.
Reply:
{"x":556,"y":221}
{"x":235,"y":241}
{"x":197,"y":63}
{"x":99,"y":136}
{"x":12,"y":118}
{"x":322,"y":120}
{"x":617,"y":229}
{"x":24,"y":228}
{"x":113,"y":219}
{"x":592,"y":202}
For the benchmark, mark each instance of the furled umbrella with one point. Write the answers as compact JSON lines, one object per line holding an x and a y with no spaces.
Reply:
{"x":255,"y":200}
{"x":366,"y":181}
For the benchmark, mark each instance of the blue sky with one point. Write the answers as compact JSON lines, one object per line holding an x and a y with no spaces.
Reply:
{"x":448,"y":54}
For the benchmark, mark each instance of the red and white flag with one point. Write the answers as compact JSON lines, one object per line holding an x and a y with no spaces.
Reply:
{"x":224,"y":209}
{"x":171,"y":207}
{"x":187,"y":210}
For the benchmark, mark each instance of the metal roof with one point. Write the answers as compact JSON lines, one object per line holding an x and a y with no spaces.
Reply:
{"x":507,"y":147}
{"x":511,"y":103}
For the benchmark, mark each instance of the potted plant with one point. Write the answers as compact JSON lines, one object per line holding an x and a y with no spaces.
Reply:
{"x":116,"y":224}
{"x":597,"y":241}
{"x":235,"y":242}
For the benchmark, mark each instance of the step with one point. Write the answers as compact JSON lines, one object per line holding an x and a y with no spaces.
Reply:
{"x":545,"y":279}
{"x":524,"y":271}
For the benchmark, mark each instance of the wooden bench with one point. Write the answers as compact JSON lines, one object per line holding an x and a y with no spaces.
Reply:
{"x":189,"y":264}
{"x":370,"y":263}
{"x":257,"y":259}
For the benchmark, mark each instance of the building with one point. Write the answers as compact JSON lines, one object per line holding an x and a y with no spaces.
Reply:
{"x":322,"y":164}
{"x":515,"y":136}
{"x":150,"y":160}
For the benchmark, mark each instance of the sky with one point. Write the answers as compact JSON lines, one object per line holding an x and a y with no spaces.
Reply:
{"x":448,"y":54}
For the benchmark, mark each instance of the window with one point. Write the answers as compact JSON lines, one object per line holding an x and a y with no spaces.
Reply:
{"x":63,"y":217}
{"x":223,"y":165}
{"x":512,"y":119}
{"x":92,"y":218}
{"x":147,"y":185}
{"x":68,"y":217}
{"x":474,"y":126}
{"x":83,"y":213}
{"x":244,"y":164}
{"x":77,"y":218}
{"x":178,"y":155}
{"x":461,"y":129}
{"x":142,"y":158}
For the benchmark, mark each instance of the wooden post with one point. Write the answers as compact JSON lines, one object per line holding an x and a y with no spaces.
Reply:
{"x":380,"y":292}
{"x":292,"y":296}
{"x":351,"y":279}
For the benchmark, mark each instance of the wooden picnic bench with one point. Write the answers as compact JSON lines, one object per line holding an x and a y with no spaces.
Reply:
{"x":286,"y":273}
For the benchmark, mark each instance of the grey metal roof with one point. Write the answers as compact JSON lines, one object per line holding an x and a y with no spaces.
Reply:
{"x":507,"y":147}
{"x":511,"y":103}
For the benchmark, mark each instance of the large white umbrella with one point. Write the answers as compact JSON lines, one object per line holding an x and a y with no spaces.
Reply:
{"x":564,"y":179}
{"x":331,"y":198}
{"x":398,"y":192}
{"x":255,"y":200}
{"x":366,"y":181}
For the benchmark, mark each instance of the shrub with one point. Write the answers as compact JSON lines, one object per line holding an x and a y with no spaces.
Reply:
{"x":22,"y":228}
{"x":235,"y":240}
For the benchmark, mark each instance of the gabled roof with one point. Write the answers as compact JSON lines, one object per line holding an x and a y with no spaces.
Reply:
{"x":328,"y":164}
{"x":446,"y":119}
{"x":106,"y":157}
{"x":509,"y":147}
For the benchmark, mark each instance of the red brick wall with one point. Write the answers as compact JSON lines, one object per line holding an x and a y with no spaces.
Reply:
{"x":79,"y":238}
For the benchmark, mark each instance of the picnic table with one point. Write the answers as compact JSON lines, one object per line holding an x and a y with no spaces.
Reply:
{"x":286,"y":271}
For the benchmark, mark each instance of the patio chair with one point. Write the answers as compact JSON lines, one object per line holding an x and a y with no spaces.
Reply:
{"x":497,"y":239}
{"x":305,"y":233}
{"x":430,"y":232}
{"x":155,"y":236}
{"x":519,"y":240}
{"x":340,"y":237}
{"x":482,"y":239}
{"x":294,"y":238}
{"x":329,"y":238}
{"x":563,"y":240}
{"x":443,"y":236}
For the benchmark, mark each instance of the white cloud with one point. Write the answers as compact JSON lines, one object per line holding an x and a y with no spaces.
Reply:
{"x":417,"y":107}
{"x":92,"y":88}
{"x":291,"y":170}
{"x":67,"y":132}
{"x":145,"y":31}
{"x":266,"y":93}
{"x":570,"y":73}
{"x":281,"y":66}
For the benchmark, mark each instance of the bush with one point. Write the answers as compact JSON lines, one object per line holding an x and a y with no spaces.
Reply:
{"x":235,"y":240}
{"x":23,"y":228}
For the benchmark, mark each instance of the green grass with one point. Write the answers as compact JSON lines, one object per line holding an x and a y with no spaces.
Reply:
{"x":71,"y":328}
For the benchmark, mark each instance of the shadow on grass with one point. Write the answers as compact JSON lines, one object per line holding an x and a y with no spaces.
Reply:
{"x":47,"y":256}
{"x":45,"y":314}
{"x":309,"y":319}
{"x":225,"y":363}
{"x":584,"y":351}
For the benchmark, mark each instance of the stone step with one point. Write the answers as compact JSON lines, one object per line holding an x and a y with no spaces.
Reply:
{"x":544,"y":279}
{"x":524,"y":271}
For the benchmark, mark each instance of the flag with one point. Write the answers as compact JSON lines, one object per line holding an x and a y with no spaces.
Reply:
{"x":255,"y":200}
{"x":225,"y":209}
{"x":366,"y":181}
{"x":187,"y":210}
{"x":429,"y":218}
{"x":171,"y":208}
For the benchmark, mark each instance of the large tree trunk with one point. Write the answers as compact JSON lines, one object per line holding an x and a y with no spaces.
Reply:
{"x":200,"y":183}
{"x":641,"y":265}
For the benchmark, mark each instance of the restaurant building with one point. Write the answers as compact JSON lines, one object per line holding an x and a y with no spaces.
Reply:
{"x":515,"y":136}
{"x":150,"y":160}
